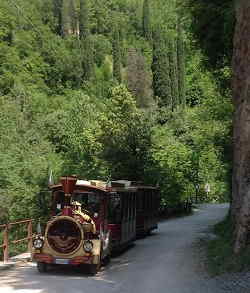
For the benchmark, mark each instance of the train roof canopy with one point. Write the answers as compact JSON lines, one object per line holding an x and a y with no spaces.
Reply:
{"x":115,"y":186}
{"x":81,"y":185}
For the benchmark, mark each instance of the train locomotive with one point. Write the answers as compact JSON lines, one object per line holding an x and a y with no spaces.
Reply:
{"x":76,"y":233}
{"x":91,"y":219}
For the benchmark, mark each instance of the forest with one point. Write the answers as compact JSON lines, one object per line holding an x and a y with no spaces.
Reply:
{"x":115,"y":89}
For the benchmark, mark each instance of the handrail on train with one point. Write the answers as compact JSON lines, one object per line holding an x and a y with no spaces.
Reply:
{"x":7,"y":242}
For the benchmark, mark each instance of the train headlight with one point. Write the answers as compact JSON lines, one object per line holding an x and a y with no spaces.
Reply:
{"x":38,"y":243}
{"x":88,"y":245}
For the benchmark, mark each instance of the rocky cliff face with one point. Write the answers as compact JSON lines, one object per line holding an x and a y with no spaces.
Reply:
{"x":241,"y":95}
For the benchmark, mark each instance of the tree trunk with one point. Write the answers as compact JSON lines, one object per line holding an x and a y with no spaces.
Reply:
{"x":240,"y":209}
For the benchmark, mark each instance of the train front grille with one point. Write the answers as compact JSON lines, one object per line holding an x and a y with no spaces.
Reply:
{"x":64,"y":236}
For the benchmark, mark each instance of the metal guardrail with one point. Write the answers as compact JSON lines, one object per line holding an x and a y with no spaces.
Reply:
{"x":7,"y":242}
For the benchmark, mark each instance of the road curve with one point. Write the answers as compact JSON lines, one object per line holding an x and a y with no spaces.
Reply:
{"x":168,"y":261}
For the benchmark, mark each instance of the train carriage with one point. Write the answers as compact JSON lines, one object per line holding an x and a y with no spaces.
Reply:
{"x":147,"y":205}
{"x":134,"y":211}
{"x":122,"y":219}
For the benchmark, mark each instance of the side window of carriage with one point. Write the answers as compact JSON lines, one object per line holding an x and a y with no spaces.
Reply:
{"x":126,"y":206}
{"x":130,"y":205}
{"x":126,"y":198}
{"x":115,"y":208}
{"x":138,"y":201}
{"x":123,"y":207}
{"x":134,"y":205}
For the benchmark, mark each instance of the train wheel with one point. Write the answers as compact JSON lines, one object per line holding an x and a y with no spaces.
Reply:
{"x":42,"y":267}
{"x":107,"y":258}
{"x":94,"y":269}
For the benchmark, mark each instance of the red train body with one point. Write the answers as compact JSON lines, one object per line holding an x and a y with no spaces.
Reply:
{"x":90,"y":219}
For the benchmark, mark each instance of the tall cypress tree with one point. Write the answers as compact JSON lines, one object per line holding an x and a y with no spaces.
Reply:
{"x":65,"y":17}
{"x":116,"y":46}
{"x":67,"y":22}
{"x":86,"y":41}
{"x":73,"y":17}
{"x":160,"y":70}
{"x":88,"y":59}
{"x":84,"y":19}
{"x":181,"y":64}
{"x":57,"y":11}
{"x":146,"y":24}
{"x":172,"y":55}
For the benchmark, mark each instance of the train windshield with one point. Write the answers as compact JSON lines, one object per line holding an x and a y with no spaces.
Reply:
{"x":89,"y":201}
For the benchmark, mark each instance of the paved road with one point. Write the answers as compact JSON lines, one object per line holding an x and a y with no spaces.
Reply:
{"x":166,"y":262}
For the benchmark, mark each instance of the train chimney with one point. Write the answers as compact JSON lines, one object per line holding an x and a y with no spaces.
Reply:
{"x":68,"y":186}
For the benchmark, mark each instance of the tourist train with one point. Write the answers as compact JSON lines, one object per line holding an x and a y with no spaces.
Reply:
{"x":90,"y":220}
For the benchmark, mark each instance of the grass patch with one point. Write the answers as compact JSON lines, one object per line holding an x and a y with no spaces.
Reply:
{"x":220,"y":257}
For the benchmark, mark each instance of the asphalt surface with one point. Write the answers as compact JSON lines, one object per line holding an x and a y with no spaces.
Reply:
{"x":168,"y":261}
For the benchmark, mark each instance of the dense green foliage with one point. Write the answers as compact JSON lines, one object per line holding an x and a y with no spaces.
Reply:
{"x":108,"y":89}
{"x":212,"y":23}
